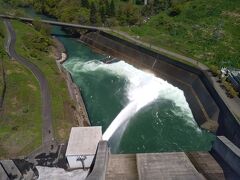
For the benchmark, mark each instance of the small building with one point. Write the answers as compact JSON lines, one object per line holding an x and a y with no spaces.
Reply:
{"x":82,"y":146}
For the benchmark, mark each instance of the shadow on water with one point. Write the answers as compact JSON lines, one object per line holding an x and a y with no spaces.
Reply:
{"x":65,"y":35}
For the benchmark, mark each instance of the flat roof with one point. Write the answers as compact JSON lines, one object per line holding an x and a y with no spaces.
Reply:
{"x":84,"y":140}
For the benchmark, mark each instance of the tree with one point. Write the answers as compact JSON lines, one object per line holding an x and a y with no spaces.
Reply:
{"x":93,"y":13}
{"x":85,"y":3}
{"x":102,"y":13}
{"x":2,"y":53}
{"x":112,"y":8}
{"x":108,"y":8}
{"x":45,"y":29}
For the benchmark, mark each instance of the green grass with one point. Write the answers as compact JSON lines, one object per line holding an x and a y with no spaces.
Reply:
{"x":20,"y":121}
{"x":62,"y":114}
{"x":124,"y":29}
{"x":7,"y":9}
{"x":204,"y":30}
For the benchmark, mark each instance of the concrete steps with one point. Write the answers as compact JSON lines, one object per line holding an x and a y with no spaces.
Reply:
{"x":3,"y":174}
{"x":16,"y":170}
{"x":122,"y":167}
{"x":11,"y":169}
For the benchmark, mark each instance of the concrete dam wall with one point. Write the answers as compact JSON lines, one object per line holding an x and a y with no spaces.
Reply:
{"x":207,"y":107}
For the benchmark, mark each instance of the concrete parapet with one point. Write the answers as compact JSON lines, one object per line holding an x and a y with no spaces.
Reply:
{"x":228,"y":152}
{"x":99,"y":166}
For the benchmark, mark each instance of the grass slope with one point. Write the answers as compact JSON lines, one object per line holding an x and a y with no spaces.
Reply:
{"x":62,"y":114}
{"x":205,"y":30}
{"x":20,"y":121}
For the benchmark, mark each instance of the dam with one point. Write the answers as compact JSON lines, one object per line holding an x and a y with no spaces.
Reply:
{"x":152,"y":114}
{"x":148,"y":103}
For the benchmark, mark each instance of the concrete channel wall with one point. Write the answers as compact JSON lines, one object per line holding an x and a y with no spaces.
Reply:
{"x":228,"y":152}
{"x":205,"y":103}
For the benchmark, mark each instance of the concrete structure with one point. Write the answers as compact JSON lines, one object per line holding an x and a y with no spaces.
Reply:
{"x":122,"y":166}
{"x":82,"y":146}
{"x":99,"y":167}
{"x":166,"y":166}
{"x":228,"y":152}
{"x":3,"y":174}
{"x":175,"y":165}
{"x":56,"y":23}
{"x":234,"y":77}
{"x":208,"y":108}
{"x":11,"y":170}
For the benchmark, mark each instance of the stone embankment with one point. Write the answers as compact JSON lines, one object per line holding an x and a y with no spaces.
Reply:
{"x":80,"y":111}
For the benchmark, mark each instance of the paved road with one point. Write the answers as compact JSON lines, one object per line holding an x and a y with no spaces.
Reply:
{"x":47,"y":131}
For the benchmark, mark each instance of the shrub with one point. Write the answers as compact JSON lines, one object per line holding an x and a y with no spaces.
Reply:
{"x":174,"y":11}
{"x":1,"y":32}
{"x":230,"y":90}
{"x":214,"y":70}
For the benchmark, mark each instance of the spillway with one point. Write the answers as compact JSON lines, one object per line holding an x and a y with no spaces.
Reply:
{"x":138,"y":111}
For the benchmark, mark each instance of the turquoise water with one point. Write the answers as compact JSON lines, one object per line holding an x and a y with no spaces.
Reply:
{"x":154,"y":114}
{"x":165,"y":124}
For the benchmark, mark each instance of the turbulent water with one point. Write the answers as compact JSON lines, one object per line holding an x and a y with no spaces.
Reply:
{"x":138,"y":111}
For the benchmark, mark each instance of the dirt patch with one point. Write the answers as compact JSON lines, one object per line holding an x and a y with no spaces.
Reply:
{"x":69,"y":113}
{"x":62,"y":133}
{"x":234,"y":15}
{"x":14,"y":101}
{"x":34,"y":88}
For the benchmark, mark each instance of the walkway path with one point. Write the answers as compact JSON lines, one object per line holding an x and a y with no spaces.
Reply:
{"x":47,"y":131}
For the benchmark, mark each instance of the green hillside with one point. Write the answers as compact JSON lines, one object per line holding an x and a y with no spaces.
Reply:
{"x":207,"y":30}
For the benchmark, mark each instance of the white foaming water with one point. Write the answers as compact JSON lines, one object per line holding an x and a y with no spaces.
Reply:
{"x":142,"y":89}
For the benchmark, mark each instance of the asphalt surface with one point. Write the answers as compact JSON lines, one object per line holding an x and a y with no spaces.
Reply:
{"x":47,"y":131}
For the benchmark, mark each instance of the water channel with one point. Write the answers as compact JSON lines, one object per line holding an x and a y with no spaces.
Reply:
{"x":155,"y":114}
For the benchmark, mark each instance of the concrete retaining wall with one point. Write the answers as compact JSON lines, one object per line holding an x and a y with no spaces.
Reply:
{"x":205,"y":103}
{"x":185,"y":80}
{"x":228,"y":152}
{"x":100,"y":162}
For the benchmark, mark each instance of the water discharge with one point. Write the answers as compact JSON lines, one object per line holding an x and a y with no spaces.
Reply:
{"x":138,"y":111}
{"x":147,"y":114}
{"x":142,"y":88}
